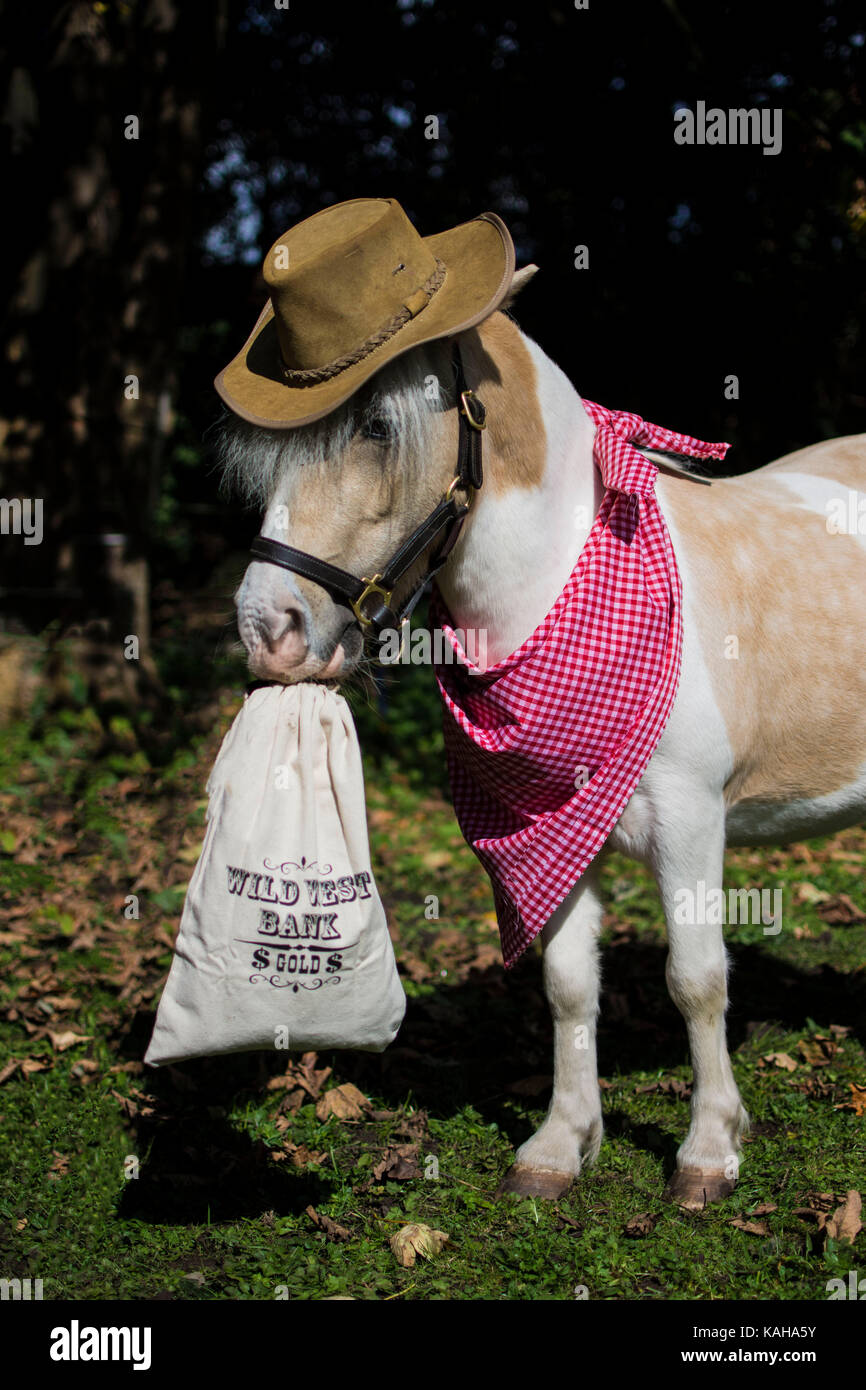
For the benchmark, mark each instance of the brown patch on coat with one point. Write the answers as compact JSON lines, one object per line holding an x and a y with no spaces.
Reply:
{"x":770,"y":574}
{"x":501,"y":371}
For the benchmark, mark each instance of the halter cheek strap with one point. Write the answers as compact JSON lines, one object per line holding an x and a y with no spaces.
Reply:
{"x":371,"y":599}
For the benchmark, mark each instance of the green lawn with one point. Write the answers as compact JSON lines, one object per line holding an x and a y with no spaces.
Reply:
{"x":243,"y":1190}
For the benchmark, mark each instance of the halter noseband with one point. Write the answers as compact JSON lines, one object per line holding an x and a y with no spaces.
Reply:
{"x":370,"y":599}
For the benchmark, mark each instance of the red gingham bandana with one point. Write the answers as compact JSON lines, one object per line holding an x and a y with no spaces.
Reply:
{"x":545,"y":748}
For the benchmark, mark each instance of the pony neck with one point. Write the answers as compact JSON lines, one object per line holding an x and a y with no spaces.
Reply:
{"x":540,"y":496}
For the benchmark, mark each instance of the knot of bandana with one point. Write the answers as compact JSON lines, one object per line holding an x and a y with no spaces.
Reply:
{"x":545,"y":748}
{"x":622,"y":467}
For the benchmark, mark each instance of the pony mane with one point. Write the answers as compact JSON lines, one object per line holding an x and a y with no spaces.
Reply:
{"x":406,"y":395}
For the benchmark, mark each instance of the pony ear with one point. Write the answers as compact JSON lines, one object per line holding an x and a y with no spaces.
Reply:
{"x":520,"y":280}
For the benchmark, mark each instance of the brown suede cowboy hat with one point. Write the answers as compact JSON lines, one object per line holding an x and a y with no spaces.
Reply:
{"x":353,"y":287}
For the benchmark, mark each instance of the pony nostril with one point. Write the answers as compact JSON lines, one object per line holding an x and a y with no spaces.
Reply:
{"x":294,"y":624}
{"x":290,"y":631}
{"x":281,"y":627}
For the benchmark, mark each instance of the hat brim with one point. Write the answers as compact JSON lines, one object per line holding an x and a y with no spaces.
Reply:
{"x":479,"y":260}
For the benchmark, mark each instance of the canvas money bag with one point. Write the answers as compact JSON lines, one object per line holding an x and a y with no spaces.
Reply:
{"x":283,"y":941}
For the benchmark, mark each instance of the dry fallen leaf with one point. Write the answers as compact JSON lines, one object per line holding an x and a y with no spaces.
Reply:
{"x":310,"y":1076}
{"x":415,"y":1239}
{"x":417,"y":971}
{"x":672,"y":1086}
{"x":780,"y":1059}
{"x":666,"y":1086}
{"x":857,"y":1103}
{"x":85,"y":1067}
{"x":841,"y":911}
{"x":816,"y":1203}
{"x":346,"y":1102}
{"x":300,"y":1155}
{"x":291,"y":1103}
{"x":818,"y":1051}
{"x":398,"y":1163}
{"x":332,"y":1229}
{"x":753,"y":1228}
{"x":60,"y":1166}
{"x":845,"y":1221}
{"x":412,"y":1126}
{"x":61,"y":1003}
{"x":808,"y":893}
{"x":301,"y":1077}
{"x":815,"y":1088}
{"x":61,"y":1041}
{"x":31,"y":1065}
{"x":640,"y":1225}
{"x":280,"y":1083}
{"x":126,"y":1103}
{"x":764,"y":1209}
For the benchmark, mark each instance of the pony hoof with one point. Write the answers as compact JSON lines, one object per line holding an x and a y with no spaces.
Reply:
{"x":694,"y":1190}
{"x":535,"y":1182}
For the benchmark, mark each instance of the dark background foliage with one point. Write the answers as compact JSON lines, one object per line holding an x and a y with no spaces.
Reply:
{"x":142,"y":256}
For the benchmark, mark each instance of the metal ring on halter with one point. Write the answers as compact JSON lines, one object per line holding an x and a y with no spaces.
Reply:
{"x":452,"y":487}
{"x":372,"y":587}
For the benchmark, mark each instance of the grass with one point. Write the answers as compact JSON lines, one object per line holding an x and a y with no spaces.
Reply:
{"x":231,"y":1157}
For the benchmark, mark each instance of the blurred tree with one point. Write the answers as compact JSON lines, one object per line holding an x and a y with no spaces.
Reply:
{"x":104,"y":132}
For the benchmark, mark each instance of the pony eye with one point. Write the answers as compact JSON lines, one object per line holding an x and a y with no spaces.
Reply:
{"x":376,"y":428}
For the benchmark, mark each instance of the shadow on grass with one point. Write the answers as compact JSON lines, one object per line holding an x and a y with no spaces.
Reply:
{"x":200,"y":1168}
{"x":463,"y":1046}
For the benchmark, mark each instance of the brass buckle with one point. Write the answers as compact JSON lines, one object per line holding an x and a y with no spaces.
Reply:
{"x":452,"y":487}
{"x":372,"y":587}
{"x":481,"y":422}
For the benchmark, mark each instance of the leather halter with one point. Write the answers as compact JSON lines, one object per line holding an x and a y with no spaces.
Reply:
{"x":370,"y":599}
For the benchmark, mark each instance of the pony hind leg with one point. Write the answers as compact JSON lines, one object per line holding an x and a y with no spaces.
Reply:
{"x":688,"y":866}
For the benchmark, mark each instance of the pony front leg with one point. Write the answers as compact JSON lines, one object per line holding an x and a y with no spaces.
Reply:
{"x":547,"y":1164}
{"x":696,"y":973}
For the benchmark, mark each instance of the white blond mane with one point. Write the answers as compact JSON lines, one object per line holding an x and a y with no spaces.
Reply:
{"x":405,"y":395}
